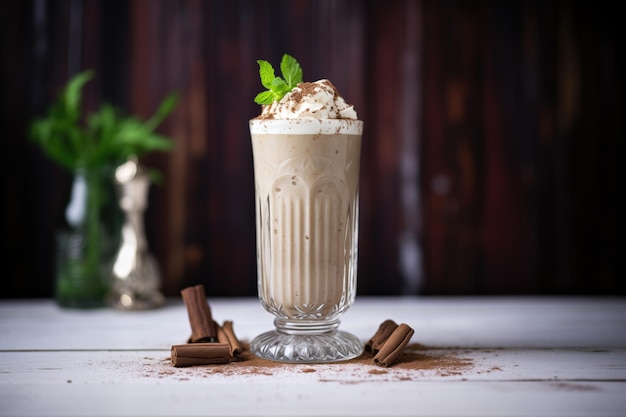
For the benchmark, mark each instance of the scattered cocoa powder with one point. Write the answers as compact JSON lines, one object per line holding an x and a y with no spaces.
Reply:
{"x":414,"y":362}
{"x":412,"y":358}
{"x":377,"y":372}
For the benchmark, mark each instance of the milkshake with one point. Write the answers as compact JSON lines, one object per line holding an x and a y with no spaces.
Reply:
{"x":306,"y":150}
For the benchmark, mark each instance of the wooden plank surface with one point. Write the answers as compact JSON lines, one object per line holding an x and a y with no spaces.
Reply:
{"x":438,"y":321}
{"x":482,"y":356}
{"x":493,"y":134}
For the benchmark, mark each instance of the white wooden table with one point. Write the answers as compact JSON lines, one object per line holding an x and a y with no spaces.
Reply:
{"x":529,"y":357}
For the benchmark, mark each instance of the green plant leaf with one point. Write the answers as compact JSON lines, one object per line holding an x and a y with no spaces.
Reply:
{"x":165,"y":108}
{"x":104,"y":138}
{"x":72,"y":95}
{"x":291,"y":71}
{"x":277,"y":87}
{"x":264,"y":97}
{"x":266,"y":72}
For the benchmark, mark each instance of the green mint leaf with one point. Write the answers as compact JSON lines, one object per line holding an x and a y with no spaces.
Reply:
{"x":266,"y":97}
{"x":280,"y":86}
{"x":277,"y":87}
{"x":266,"y":71}
{"x":291,"y":70}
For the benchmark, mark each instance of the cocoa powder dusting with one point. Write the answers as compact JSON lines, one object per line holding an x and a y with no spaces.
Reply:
{"x":415,"y":362}
{"x":306,"y":89}
{"x":297,"y":97}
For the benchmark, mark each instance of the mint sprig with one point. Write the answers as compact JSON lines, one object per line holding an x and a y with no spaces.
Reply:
{"x":277,"y":87}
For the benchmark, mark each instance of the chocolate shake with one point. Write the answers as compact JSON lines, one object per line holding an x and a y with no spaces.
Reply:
{"x":306,"y":151}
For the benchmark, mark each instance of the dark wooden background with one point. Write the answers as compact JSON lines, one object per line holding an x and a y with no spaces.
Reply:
{"x":491,"y":151}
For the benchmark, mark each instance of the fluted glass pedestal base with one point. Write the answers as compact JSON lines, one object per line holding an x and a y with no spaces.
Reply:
{"x":302,"y":345}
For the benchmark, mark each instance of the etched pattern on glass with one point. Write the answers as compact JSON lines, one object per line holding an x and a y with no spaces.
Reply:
{"x":308,"y":251}
{"x":306,"y":188}
{"x":310,"y":348}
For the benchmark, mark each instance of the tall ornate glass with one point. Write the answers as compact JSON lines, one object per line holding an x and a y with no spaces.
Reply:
{"x":307,"y":188}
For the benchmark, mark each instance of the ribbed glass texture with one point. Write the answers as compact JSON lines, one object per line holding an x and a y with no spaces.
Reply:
{"x":307,"y":242}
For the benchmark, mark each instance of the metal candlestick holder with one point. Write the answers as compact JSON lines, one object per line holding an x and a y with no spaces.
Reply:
{"x":136,"y":276}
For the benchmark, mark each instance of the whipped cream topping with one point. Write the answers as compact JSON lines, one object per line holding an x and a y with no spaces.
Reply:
{"x":316,"y":100}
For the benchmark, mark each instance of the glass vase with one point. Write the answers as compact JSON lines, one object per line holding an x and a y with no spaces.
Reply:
{"x":84,"y":244}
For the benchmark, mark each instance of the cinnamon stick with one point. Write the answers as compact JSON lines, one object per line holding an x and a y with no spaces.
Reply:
{"x":225,"y":334}
{"x":202,"y":326}
{"x":221,"y":334}
{"x":380,"y":337}
{"x":235,"y":346}
{"x":200,"y":354}
{"x":394,"y":345}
